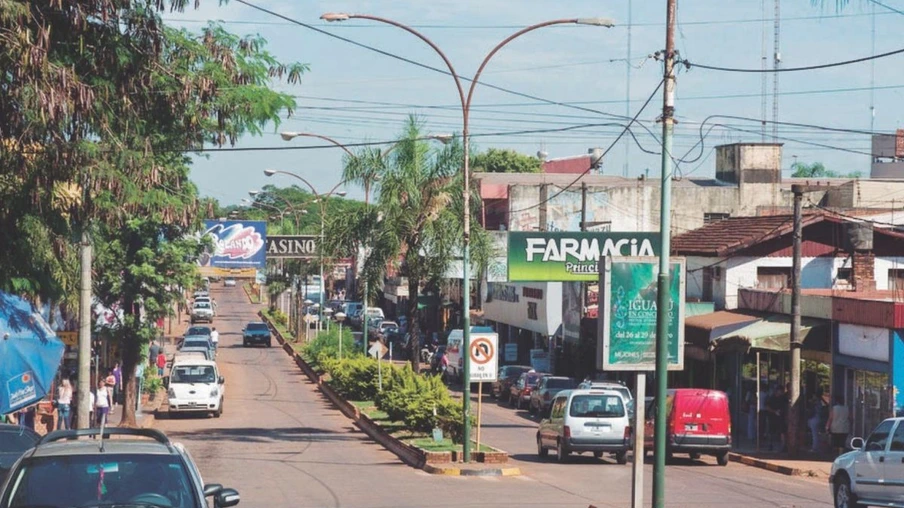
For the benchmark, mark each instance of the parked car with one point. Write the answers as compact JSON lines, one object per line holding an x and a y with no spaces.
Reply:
{"x":195,"y":386}
{"x":229,"y":282}
{"x":547,"y":388}
{"x":586,"y":421}
{"x":871,"y":473}
{"x":14,"y":441}
{"x":198,"y":343}
{"x":256,"y":332}
{"x":201,"y":311}
{"x":142,"y":467}
{"x":200,"y":294}
{"x":197,"y":330}
{"x":698,"y":423}
{"x":508,"y":374}
{"x":388,"y":330}
{"x":373,"y":327}
{"x":519,"y":395}
{"x":613,"y":385}
{"x":207,"y":300}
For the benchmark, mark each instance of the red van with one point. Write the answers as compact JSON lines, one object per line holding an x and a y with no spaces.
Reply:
{"x":698,"y":423}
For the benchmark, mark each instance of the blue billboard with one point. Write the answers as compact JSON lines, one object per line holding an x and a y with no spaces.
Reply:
{"x":237,"y":245}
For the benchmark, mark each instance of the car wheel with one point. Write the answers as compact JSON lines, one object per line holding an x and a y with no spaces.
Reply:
{"x":722,"y":458}
{"x":844,"y":497}
{"x":541,"y":451}
{"x":244,"y":344}
{"x":219,"y":412}
{"x":621,"y":457}
{"x":598,"y":455}
{"x":561,"y":452}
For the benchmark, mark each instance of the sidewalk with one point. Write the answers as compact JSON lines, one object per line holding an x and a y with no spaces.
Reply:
{"x":806,"y":463}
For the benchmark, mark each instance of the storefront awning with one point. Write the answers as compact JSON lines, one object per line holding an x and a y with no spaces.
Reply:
{"x":771,"y":333}
{"x":700,"y":330}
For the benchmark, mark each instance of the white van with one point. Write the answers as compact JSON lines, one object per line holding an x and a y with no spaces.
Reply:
{"x":579,"y":421}
{"x":195,"y":386}
{"x":375,"y":313}
{"x":454,"y":358}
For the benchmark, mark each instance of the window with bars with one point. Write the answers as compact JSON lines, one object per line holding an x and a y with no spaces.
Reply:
{"x":714,"y":217}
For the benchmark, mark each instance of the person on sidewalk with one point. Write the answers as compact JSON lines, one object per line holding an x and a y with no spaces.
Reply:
{"x":775,"y":405}
{"x":215,"y":338}
{"x":102,"y":402}
{"x":161,"y":363}
{"x":839,"y":424}
{"x":64,"y":405}
{"x":153,"y":351}
{"x":117,"y":387}
{"x":818,"y":409}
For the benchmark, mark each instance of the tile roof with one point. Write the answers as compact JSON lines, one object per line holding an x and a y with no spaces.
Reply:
{"x":729,"y":235}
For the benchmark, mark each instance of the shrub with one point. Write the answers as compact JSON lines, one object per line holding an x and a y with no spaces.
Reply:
{"x":354,"y":378}
{"x":326,"y":346}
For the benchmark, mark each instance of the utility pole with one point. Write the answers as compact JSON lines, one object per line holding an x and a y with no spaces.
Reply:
{"x":662,"y":296}
{"x":84,"y":334}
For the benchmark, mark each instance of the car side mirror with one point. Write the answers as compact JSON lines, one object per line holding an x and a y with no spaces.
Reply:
{"x":857,"y":443}
{"x":212,"y":489}
{"x":227,"y":497}
{"x":221,"y":380}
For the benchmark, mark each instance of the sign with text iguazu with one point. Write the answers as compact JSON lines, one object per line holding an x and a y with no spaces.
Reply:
{"x":292,"y":247}
{"x":238,"y":246}
{"x":538,"y":256}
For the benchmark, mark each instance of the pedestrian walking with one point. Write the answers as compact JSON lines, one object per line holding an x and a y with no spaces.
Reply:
{"x":215,"y":337}
{"x":161,"y":363}
{"x":839,"y":424}
{"x":817,"y":419}
{"x":153,"y":351}
{"x":776,"y":406}
{"x":64,"y":405}
{"x":102,"y":402}
{"x":117,"y":386}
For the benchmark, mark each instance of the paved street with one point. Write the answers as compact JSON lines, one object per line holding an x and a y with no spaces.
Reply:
{"x":281,"y":444}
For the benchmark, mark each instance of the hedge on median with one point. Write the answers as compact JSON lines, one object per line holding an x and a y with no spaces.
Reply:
{"x":421,"y":402}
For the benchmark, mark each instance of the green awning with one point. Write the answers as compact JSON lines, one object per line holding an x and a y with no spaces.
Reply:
{"x":772,"y":333}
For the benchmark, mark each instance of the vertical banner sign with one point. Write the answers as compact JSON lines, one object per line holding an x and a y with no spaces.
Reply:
{"x":484,"y":356}
{"x":238,"y":248}
{"x":628,"y":314}
{"x":571,"y":256}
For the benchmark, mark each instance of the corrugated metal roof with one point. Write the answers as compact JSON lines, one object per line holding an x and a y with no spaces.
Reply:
{"x":772,"y":333}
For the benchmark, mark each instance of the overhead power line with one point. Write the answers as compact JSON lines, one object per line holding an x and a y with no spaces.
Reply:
{"x":892,"y":9}
{"x":691,"y":65}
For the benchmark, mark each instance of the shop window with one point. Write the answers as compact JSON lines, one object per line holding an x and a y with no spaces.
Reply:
{"x":773,"y":277}
{"x":896,"y":279}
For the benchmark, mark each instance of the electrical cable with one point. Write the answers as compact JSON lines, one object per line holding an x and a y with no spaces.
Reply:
{"x":892,"y":9}
{"x":689,"y":65}
{"x":853,"y":217}
{"x":435,"y":69}
{"x":607,"y":150}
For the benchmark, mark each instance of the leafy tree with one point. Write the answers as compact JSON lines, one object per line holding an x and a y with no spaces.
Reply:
{"x":818,"y":170}
{"x":100,"y":102}
{"x":496,"y":160}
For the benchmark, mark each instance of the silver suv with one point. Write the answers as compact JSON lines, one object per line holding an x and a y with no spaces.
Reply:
{"x":64,"y":470}
{"x":586,"y":421}
{"x":871,"y":474}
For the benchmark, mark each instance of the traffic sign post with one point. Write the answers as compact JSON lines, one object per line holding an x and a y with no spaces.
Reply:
{"x":484,"y":358}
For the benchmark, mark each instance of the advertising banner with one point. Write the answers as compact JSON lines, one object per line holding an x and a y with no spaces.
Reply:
{"x":571,"y":256}
{"x":238,"y":248}
{"x":628,"y":314}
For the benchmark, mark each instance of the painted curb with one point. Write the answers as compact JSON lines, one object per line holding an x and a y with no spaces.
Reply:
{"x":455,"y":471}
{"x":763,"y":464}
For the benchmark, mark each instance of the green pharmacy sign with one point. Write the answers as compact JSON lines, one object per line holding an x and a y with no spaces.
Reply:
{"x":628,"y":314}
{"x":571,"y":256}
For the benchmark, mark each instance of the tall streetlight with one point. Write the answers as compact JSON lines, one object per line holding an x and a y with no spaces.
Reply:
{"x":465,"y":114}
{"x":321,"y":200}
{"x":290,"y":208}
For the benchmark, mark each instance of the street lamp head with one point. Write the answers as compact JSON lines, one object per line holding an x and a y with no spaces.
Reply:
{"x":341,"y":193}
{"x":288,"y":135}
{"x":269,"y":172}
{"x":308,"y":302}
{"x":246,"y":200}
{"x":442,"y":138}
{"x":253,"y":193}
{"x":606,"y":22}
{"x":340,"y":316}
{"x":334,"y":16}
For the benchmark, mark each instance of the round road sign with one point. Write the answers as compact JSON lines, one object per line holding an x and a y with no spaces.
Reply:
{"x":482,"y":351}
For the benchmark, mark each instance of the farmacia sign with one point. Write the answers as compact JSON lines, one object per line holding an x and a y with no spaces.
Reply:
{"x":572,"y":256}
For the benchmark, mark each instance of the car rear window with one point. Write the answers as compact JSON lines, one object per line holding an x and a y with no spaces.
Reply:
{"x":559,"y":383}
{"x":195,"y":343}
{"x":198,"y":330}
{"x":258,"y":327}
{"x":601,"y":406}
{"x":532,"y":379}
{"x":202,"y":305}
{"x":101,"y":480}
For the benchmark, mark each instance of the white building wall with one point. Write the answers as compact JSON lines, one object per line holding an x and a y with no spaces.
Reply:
{"x":883,"y":265}
{"x":742,"y":273}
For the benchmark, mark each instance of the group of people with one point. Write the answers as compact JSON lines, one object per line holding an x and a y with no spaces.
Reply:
{"x":822,"y":416}
{"x":101,"y":399}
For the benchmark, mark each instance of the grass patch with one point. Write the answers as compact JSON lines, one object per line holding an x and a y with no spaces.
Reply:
{"x":446,"y":445}
{"x":254,"y":297}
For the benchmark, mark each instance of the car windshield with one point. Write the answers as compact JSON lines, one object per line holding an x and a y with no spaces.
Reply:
{"x":103,"y":480}
{"x":260,"y":327}
{"x":198,"y":330}
{"x":604,"y":406}
{"x":561,"y":384}
{"x":193,"y":374}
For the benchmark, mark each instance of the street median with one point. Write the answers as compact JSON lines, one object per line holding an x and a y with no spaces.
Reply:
{"x":488,"y":461}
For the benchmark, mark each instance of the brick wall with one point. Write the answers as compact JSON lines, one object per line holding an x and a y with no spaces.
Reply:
{"x":863,"y":271}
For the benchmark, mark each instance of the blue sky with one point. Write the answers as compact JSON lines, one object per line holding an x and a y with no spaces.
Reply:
{"x":355,"y":95}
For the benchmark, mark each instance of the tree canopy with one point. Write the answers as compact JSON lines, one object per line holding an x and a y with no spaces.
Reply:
{"x":497,"y":160}
{"x":818,"y":170}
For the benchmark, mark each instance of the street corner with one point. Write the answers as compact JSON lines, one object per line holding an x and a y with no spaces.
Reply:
{"x":464,"y":471}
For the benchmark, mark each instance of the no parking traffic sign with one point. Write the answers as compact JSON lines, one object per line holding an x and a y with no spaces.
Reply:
{"x":484,"y":356}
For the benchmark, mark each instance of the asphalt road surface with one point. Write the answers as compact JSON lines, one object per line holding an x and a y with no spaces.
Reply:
{"x":281,"y":444}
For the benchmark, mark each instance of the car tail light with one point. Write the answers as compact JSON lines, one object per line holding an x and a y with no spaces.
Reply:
{"x":628,"y":433}
{"x":527,"y":390}
{"x":566,"y":432}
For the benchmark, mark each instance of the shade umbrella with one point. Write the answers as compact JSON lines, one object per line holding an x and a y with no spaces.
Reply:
{"x":30,"y":354}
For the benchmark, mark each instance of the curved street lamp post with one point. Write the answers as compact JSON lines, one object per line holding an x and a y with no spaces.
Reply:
{"x":465,"y":112}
